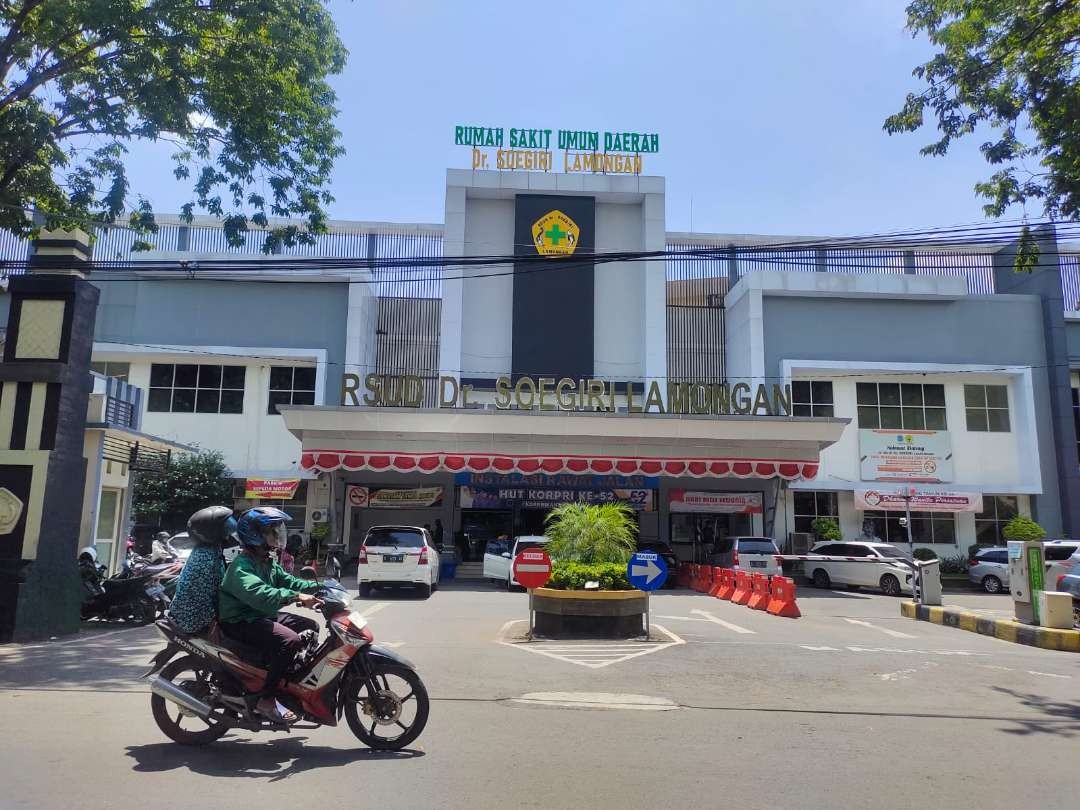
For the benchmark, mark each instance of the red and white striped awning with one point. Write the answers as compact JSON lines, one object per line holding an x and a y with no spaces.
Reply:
{"x":383,"y":461}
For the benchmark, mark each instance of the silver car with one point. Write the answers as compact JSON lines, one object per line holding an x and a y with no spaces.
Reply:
{"x":989,"y":569}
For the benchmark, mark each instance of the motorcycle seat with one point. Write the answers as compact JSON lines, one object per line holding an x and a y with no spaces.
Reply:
{"x":246,"y":653}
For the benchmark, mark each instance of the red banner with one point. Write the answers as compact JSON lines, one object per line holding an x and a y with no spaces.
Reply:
{"x":278,"y":489}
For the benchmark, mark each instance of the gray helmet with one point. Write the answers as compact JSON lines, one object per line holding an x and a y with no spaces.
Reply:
{"x":212,"y":526}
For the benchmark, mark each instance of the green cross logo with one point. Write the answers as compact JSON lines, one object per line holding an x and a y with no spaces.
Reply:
{"x":555,"y":235}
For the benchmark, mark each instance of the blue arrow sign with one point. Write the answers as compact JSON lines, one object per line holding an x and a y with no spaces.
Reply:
{"x":646,"y":571}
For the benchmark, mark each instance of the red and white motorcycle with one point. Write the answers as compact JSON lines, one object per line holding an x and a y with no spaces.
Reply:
{"x":199,"y":697}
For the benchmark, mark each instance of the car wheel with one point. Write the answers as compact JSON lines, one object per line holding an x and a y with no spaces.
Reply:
{"x":821,"y":578}
{"x":425,"y":591}
{"x":364,"y":589}
{"x":509,"y":584}
{"x":991,"y":584}
{"x":890,"y":585}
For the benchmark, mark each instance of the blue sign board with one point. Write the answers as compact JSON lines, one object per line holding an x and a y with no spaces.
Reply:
{"x":647,"y":571}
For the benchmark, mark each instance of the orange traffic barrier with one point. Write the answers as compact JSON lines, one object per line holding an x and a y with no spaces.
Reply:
{"x":695,"y":577}
{"x":742,"y":588}
{"x":706,"y":578}
{"x":727,"y":584}
{"x":759,"y":592}
{"x":782,"y":598}
{"x":717,"y":581}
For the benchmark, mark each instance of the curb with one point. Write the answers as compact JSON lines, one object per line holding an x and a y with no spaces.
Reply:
{"x":1007,"y":630}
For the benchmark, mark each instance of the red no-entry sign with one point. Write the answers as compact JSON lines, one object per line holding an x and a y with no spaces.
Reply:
{"x":532,"y":568}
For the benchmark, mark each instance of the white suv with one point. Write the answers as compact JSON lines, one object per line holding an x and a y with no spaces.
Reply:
{"x":500,"y":554}
{"x":892,"y":574}
{"x":758,"y":555}
{"x":397,"y":555}
{"x":1061,"y":557}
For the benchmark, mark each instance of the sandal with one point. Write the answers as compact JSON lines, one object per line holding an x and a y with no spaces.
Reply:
{"x":275,"y":712}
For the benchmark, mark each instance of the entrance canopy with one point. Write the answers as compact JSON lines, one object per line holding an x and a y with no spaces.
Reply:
{"x":480,"y":440}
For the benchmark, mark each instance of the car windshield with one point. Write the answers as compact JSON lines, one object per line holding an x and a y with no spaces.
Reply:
{"x":399,"y":538}
{"x":524,"y":544}
{"x":889,"y":551}
{"x":757,"y":547}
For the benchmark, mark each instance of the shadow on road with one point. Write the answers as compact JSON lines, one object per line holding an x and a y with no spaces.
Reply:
{"x":96,"y":659}
{"x":273,"y":760}
{"x":1062,"y":718}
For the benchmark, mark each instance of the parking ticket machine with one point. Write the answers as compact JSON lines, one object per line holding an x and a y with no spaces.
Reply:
{"x":1026,"y":569}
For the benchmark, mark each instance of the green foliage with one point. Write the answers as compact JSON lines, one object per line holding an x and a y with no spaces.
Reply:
{"x":1013,"y":66}
{"x":190,"y":483}
{"x":925,"y":554}
{"x":974,"y":549}
{"x":957,"y":564}
{"x":1023,"y":528}
{"x":572,"y":576}
{"x":237,"y":86}
{"x":591,"y":533}
{"x":320,"y":532}
{"x":826,"y":528}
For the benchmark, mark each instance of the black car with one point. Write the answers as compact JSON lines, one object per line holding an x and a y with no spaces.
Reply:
{"x":667,"y":555}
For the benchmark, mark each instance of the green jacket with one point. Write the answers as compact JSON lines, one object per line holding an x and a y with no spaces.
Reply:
{"x":257,"y":589}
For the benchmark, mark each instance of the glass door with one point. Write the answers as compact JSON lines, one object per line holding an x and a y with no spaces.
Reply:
{"x":107,"y":519}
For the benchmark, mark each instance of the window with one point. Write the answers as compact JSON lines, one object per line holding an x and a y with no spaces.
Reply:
{"x":291,"y":385}
{"x":904,"y":406}
{"x":810,"y":505}
{"x":1001,"y":557}
{"x":753,"y":545}
{"x":811,"y":398}
{"x":190,"y":388}
{"x":926,"y":527}
{"x":112,"y":369}
{"x":997,"y":511}
{"x":987,"y":408}
{"x":1057,"y":552}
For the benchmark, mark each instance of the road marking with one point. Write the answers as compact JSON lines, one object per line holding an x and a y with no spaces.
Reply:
{"x":596,"y":700}
{"x":371,"y":611}
{"x":852,"y":595}
{"x":900,"y":673}
{"x":818,"y":649}
{"x":885,"y":630}
{"x":1047,"y":674}
{"x":593,"y":655}
{"x":682,"y":618}
{"x":715,"y":620}
{"x":917,"y":652}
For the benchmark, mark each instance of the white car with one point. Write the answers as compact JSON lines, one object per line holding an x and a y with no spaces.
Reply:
{"x":1061,"y":557}
{"x":499,"y":557}
{"x":397,"y":555}
{"x":757,"y":555}
{"x":892,"y":574}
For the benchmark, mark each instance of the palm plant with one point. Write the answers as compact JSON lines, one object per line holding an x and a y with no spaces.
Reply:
{"x":591,"y":533}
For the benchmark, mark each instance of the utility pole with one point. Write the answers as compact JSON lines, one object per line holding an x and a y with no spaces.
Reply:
{"x":916,"y":579}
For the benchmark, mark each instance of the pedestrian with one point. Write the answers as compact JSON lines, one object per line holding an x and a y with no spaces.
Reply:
{"x":438,"y":533}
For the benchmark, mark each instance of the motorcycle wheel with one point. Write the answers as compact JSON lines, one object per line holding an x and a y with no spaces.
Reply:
{"x":193,"y":675}
{"x":399,"y":704}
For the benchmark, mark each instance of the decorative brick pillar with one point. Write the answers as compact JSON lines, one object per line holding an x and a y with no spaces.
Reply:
{"x":45,"y":386}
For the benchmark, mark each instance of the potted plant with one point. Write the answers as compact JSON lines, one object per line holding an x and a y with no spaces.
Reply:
{"x":588,"y":593}
{"x":1023,"y":528}
{"x":826,"y":529}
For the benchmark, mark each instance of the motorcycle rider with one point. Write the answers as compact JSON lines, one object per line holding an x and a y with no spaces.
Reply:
{"x":254,"y":589}
{"x":161,"y":550}
{"x":195,"y":604}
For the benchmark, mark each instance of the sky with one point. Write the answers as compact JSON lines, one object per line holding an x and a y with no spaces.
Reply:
{"x":769,"y":112}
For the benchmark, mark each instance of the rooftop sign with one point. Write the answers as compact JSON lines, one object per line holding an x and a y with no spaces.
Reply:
{"x":589,"y":151}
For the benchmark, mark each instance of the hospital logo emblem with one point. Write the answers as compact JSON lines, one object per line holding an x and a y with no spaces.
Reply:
{"x":555,"y":234}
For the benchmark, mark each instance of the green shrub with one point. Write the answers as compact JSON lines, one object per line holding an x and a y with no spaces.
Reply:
{"x":320,"y":532}
{"x":957,"y":564}
{"x":591,"y":533}
{"x":1023,"y":528}
{"x":826,"y":528}
{"x":925,"y":554}
{"x":974,"y":549}
{"x":568,"y":575}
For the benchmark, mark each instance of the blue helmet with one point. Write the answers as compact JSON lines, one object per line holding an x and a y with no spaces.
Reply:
{"x":262,"y":526}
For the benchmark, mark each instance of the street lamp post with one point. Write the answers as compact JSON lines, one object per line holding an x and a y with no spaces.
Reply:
{"x":916,"y":578}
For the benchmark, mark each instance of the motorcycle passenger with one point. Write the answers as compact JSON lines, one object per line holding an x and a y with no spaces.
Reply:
{"x":253,"y":591}
{"x":194,"y":607}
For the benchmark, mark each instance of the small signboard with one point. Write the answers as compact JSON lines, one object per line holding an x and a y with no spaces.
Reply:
{"x":532,"y":568}
{"x":647,"y":571}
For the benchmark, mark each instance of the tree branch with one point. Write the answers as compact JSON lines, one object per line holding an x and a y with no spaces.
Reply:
{"x":32,"y":83}
{"x":14,"y":32}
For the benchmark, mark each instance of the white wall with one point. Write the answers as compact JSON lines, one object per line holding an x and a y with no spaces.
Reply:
{"x":487,"y":304}
{"x":619,"y":304}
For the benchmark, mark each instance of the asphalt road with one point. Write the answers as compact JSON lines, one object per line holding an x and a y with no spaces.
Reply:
{"x":849,"y":706}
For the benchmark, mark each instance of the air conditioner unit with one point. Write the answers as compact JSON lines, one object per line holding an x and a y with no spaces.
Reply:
{"x":800,"y":542}
{"x":238,"y":490}
{"x":318,"y":516}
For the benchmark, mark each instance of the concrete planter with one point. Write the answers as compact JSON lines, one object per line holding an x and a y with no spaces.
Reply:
{"x":588,"y":614}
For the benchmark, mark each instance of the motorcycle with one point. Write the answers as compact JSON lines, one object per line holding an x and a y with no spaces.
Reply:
{"x":135,"y":598}
{"x":215,"y":684}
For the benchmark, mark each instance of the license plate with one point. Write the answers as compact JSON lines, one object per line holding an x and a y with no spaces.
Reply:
{"x":757,"y":563}
{"x":393,"y":557}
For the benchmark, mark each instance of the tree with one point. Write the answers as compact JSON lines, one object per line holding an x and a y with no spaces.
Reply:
{"x":1013,"y":65}
{"x":826,"y":528}
{"x":189,"y":483}
{"x":591,"y":533}
{"x":238,"y":86}
{"x":1023,"y":528}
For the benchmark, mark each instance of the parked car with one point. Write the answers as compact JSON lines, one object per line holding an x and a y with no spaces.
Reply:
{"x":1062,"y":557}
{"x":892,"y":575}
{"x":499,"y":557}
{"x":667,"y":554}
{"x":1070,"y":583}
{"x":397,"y":555}
{"x":989,"y":569}
{"x":758,"y":555}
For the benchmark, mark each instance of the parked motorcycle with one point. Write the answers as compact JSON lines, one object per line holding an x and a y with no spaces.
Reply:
{"x":119,"y":598}
{"x":213,"y":688}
